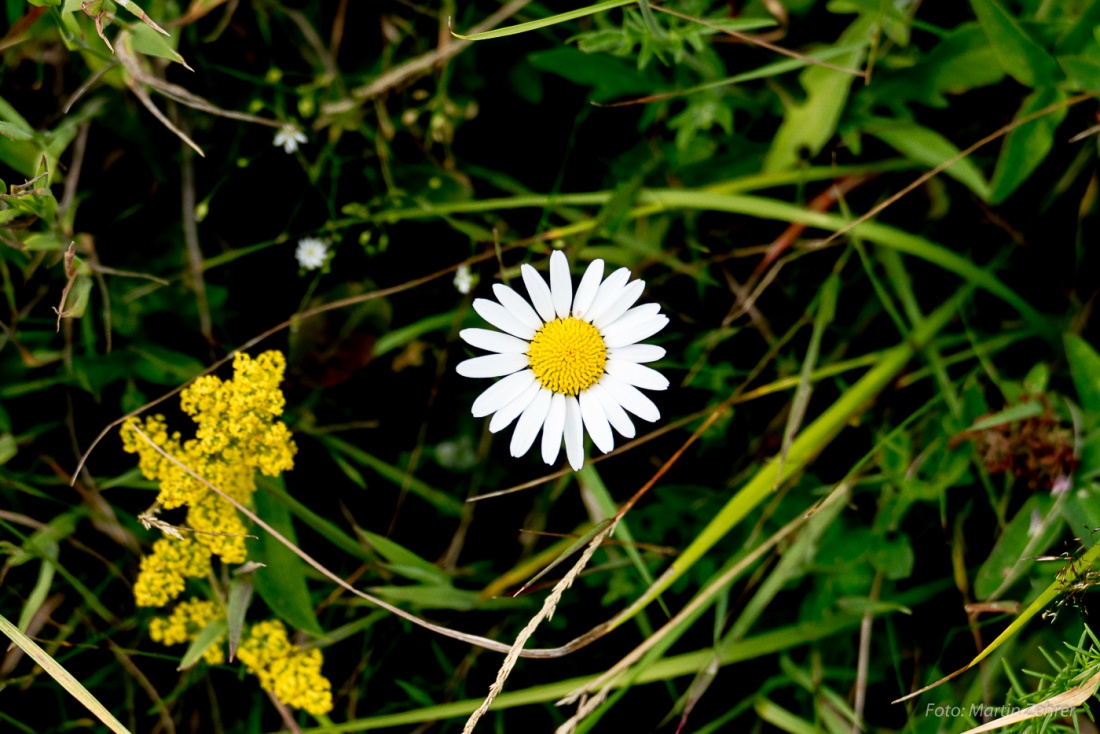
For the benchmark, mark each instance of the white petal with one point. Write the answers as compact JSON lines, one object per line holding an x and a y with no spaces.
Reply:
{"x":586,"y":291}
{"x":552,"y":429}
{"x":494,"y":341}
{"x":518,"y":306}
{"x":616,"y":416}
{"x":630,"y":294}
{"x":630,"y":398}
{"x":631,"y":318}
{"x":499,"y":317}
{"x":530,"y":422}
{"x":637,"y":375}
{"x":561,"y":284}
{"x":596,"y":422}
{"x":574,"y":433}
{"x":511,"y":411}
{"x":501,"y":393}
{"x":492,"y":365}
{"x":608,"y":292}
{"x":538,"y":291}
{"x":643,"y":330}
{"x":637,"y":353}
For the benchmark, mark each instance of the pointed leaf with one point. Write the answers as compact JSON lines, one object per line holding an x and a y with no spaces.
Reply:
{"x":282,"y":583}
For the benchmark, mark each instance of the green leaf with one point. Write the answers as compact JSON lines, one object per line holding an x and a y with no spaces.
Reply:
{"x":810,"y":124}
{"x":608,"y":77}
{"x":544,"y":22}
{"x":403,"y":558}
{"x":894,"y":558}
{"x":929,"y":148}
{"x":1083,"y":72}
{"x":1021,"y":57}
{"x":1084,"y":366}
{"x":15,"y":132}
{"x":1028,"y":145}
{"x":149,"y":42}
{"x":8,"y":448}
{"x":282,"y":583}
{"x":1016,"y":549}
{"x":209,"y":636}
{"x":239,"y":598}
{"x":1013,"y":413}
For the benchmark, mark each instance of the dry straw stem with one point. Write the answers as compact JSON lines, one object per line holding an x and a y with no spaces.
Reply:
{"x":472,"y":639}
{"x":546,"y":612}
{"x":609,"y":680}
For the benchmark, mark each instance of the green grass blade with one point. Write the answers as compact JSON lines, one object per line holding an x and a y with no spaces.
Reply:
{"x":62,"y":676}
{"x":544,"y":22}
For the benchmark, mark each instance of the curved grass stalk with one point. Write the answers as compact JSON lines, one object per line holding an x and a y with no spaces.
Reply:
{"x":62,"y":676}
{"x":655,"y":201}
{"x":543,"y":22}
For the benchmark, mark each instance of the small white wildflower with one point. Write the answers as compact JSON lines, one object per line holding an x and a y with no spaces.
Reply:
{"x":288,"y":138}
{"x":464,"y":281}
{"x":311,"y":252}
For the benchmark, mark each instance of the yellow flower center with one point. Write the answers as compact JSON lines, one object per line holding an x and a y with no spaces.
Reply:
{"x":568,"y":355}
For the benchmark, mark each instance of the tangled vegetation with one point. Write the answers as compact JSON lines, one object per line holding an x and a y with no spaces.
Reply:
{"x":250,"y":252}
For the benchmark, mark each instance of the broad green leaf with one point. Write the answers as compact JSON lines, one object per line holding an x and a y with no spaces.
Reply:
{"x":810,"y":124}
{"x":894,"y":558}
{"x":239,"y":599}
{"x":961,"y":61}
{"x":15,"y":132}
{"x":607,"y":76}
{"x":282,"y":583}
{"x":1018,"y":545}
{"x":76,"y":303}
{"x":1082,"y":71}
{"x":1037,"y":379}
{"x":209,"y":636}
{"x":1020,"y":56}
{"x":62,"y":676}
{"x":1084,"y":366}
{"x":544,"y":22}
{"x":1028,"y":145}
{"x":8,"y":448}
{"x":151,"y":43}
{"x":929,"y":148}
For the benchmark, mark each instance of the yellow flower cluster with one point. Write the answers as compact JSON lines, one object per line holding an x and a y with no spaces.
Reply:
{"x":237,"y":434}
{"x":184,"y":624}
{"x":284,"y":669}
{"x":164,"y":571}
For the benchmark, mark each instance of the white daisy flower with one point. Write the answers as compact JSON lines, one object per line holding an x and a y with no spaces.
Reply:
{"x":288,"y":138}
{"x":571,"y":363}
{"x":311,"y":252}
{"x":464,"y":280}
